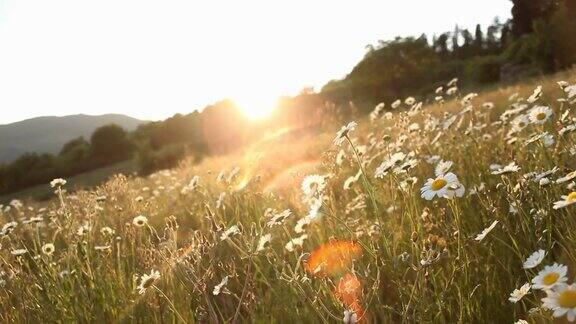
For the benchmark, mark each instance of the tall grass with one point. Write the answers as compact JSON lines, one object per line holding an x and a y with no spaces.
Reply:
{"x":400,"y":258}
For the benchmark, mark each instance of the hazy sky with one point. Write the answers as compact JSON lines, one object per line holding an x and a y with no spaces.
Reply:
{"x":151,"y":59}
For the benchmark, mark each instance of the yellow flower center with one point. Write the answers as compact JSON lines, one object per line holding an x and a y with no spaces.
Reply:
{"x":541,"y":116}
{"x":567,"y":299}
{"x":438,"y":184}
{"x":521,"y":124}
{"x":571,"y":197}
{"x":550,"y":278}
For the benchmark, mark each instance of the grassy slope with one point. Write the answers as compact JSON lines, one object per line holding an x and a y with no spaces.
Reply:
{"x":88,"y":179}
{"x":469,"y":281}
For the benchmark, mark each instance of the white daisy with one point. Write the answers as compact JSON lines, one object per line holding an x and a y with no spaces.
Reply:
{"x":278,"y":218}
{"x":57,"y":183}
{"x":350,"y":317}
{"x":451,"y":91}
{"x":539,"y":114}
{"x":147,"y":280}
{"x":566,"y":200}
{"x":445,"y":186}
{"x":498,"y":169}
{"x":344,"y":132}
{"x":550,"y":277}
{"x":299,"y":241}
{"x":562,"y":301}
{"x":233,"y":230}
{"x":442,"y":167}
{"x":263,"y":242}
{"x":218,"y":288}
{"x":48,"y":248}
{"x":517,"y":294}
{"x":140,"y":221}
{"x":313,"y":184}
{"x":567,"y":177}
{"x":535,"y":95}
{"x":19,"y":252}
{"x":520,"y":122}
{"x":534,"y":259}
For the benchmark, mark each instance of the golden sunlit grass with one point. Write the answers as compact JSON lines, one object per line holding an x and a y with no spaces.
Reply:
{"x":237,"y":238}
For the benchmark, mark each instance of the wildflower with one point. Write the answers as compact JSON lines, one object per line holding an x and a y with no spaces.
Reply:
{"x":350,"y":317}
{"x":544,"y":182}
{"x":218,"y":288}
{"x":278,"y":218}
{"x":510,"y":168}
{"x":263,"y":242}
{"x":410,"y":101}
{"x":351,"y":180}
{"x":520,"y":122}
{"x":344,"y":132}
{"x":539,"y":114}
{"x":377,"y":112}
{"x":485,"y":232}
{"x":57,"y":183}
{"x":521,"y":321}
{"x":534,"y":259}
{"x":442,"y":167}
{"x":140,"y":221}
{"x":562,"y":301}
{"x":333,"y":257}
{"x":147,"y":280}
{"x":48,"y":248}
{"x":299,"y":241}
{"x":83,"y":230}
{"x":466,"y":100}
{"x":19,"y":252}
{"x":566,"y":200}
{"x":107,"y":231}
{"x":567,"y":177}
{"x":535,"y":95}
{"x":396,"y":104}
{"x":233,"y":230}
{"x":550,"y":277}
{"x":313,"y":185}
{"x":451,"y":91}
{"x":445,"y":186}
{"x":517,"y":294}
{"x":8,"y":228}
{"x":563,"y":84}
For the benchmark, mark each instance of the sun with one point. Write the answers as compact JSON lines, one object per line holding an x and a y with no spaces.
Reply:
{"x":256,"y":106}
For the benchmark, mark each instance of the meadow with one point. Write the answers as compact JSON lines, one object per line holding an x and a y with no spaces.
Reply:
{"x":455,"y":210}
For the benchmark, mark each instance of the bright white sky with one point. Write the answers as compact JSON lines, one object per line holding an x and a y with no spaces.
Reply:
{"x":151,"y":59}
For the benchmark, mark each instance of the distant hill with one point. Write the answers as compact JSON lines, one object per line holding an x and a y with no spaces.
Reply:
{"x":48,"y":134}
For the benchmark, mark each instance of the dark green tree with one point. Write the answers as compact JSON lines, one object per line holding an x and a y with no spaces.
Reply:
{"x":110,"y":143}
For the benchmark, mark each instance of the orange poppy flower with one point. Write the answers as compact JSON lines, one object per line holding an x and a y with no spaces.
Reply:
{"x":333,"y":258}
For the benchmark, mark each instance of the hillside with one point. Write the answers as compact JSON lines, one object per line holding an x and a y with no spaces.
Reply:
{"x":48,"y":134}
{"x":439,"y":213}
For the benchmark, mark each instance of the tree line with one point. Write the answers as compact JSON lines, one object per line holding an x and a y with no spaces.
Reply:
{"x":538,"y":39}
